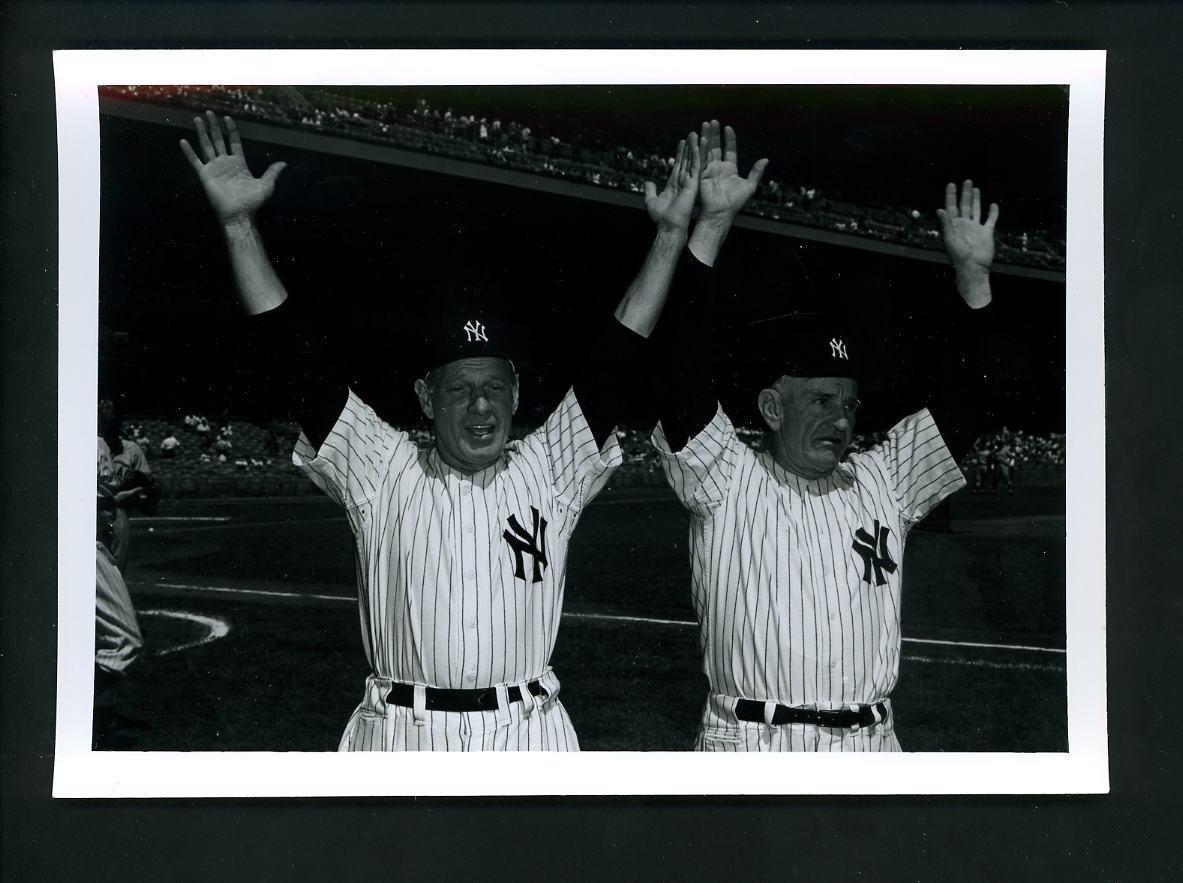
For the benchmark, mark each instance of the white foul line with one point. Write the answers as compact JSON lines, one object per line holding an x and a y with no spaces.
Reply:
{"x":989,"y":646}
{"x":263,"y":593}
{"x":604,"y":617}
{"x":218,"y":628}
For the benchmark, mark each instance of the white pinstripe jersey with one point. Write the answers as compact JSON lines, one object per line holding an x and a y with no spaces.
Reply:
{"x":460,"y":577}
{"x":796,"y":582}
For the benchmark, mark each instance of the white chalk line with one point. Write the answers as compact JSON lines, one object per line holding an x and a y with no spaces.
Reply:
{"x":602,"y":617}
{"x":223,"y":521}
{"x":216,"y":627}
{"x":985,"y":663}
{"x":261,"y":593}
{"x":251,"y":525}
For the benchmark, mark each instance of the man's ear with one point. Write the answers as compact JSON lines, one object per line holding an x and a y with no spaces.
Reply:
{"x":515,"y":394}
{"x":770,"y":408}
{"x":424,"y":394}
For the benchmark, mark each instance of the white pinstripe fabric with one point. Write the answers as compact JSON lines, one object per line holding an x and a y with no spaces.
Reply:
{"x":440,"y":598}
{"x":784,"y":611}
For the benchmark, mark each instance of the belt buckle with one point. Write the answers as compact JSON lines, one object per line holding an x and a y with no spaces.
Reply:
{"x":854,"y":706}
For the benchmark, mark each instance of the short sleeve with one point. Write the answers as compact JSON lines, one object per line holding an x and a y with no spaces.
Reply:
{"x":700,"y":473}
{"x":919,"y":465}
{"x":136,"y":459}
{"x":579,"y":468}
{"x":359,"y":451}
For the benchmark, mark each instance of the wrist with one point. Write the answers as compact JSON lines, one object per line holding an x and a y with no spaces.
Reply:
{"x":717,"y":222}
{"x":973,"y":284}
{"x":707,"y":239}
{"x":238,"y":225}
{"x":671,"y":238}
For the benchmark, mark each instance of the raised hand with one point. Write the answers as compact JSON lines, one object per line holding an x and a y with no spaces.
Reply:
{"x":234,"y":193}
{"x":969,"y":241}
{"x":672,"y":208}
{"x":722,"y":190}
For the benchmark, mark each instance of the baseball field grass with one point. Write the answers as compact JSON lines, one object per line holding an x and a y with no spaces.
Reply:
{"x":250,"y":616}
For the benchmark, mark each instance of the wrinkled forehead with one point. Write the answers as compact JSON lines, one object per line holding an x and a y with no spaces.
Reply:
{"x":841,"y":386}
{"x":479,"y":369}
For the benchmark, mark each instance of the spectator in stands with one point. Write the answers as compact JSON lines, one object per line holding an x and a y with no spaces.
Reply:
{"x":169,"y":445}
{"x":974,"y":468}
{"x":1003,"y":461}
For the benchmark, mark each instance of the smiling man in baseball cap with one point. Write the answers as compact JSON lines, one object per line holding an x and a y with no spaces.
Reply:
{"x":460,"y":548}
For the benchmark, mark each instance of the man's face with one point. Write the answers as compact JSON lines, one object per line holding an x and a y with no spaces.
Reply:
{"x":812,"y":422}
{"x":471,"y":402}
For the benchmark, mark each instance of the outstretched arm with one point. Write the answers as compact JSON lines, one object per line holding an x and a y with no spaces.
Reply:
{"x":958,"y":403}
{"x":235,"y":195}
{"x":671,"y":210}
{"x":607,"y":386}
{"x":685,"y":371}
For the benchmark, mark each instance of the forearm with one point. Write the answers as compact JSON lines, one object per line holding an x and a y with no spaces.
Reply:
{"x":259,"y":287}
{"x":961,"y":402}
{"x":645,"y":298}
{"x":306,"y":383}
{"x":608,"y":384}
{"x":684,"y":375}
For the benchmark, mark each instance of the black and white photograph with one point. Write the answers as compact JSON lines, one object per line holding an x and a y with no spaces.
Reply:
{"x":486,"y":403}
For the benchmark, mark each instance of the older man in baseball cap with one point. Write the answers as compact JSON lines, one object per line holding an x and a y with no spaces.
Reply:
{"x":460,"y":547}
{"x":797,"y":550}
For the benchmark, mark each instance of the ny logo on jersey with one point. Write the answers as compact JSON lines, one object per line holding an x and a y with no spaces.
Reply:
{"x":873,"y":550}
{"x":523,"y":542}
{"x":474,"y":330}
{"x":838,"y":348}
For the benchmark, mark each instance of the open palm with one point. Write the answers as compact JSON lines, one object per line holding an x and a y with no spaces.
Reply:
{"x":722,"y":190}
{"x":969,"y":240}
{"x":232,"y":190}
{"x":672,"y":208}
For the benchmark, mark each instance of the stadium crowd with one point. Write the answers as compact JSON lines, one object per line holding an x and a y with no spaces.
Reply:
{"x":467,"y":136}
{"x":260,"y":449}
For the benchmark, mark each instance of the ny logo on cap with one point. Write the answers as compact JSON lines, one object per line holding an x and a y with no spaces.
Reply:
{"x":474,"y":330}
{"x":838,"y":348}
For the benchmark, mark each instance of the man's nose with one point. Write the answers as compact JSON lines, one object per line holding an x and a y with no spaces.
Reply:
{"x":479,"y":402}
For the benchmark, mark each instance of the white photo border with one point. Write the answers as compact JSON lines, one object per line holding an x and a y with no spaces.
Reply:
{"x":81,"y":772}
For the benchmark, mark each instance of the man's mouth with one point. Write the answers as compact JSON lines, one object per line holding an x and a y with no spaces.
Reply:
{"x":481,"y":431}
{"x":833,"y":442}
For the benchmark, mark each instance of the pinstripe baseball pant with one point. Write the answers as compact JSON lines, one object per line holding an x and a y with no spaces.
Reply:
{"x":117,"y":631}
{"x":518,"y":726}
{"x":721,"y":730}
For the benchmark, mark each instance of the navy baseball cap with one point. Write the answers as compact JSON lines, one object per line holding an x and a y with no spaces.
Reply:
{"x":799,"y":345}
{"x":466,"y":332}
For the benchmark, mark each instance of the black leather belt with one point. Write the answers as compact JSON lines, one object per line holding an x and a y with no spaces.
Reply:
{"x":843,"y":718}
{"x":459,"y":700}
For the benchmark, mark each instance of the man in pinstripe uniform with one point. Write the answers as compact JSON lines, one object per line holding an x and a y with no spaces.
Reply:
{"x":460,"y":549}
{"x":797,"y":552}
{"x":117,"y":630}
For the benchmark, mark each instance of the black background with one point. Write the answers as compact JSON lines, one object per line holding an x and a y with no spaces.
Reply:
{"x":366,"y":247}
{"x":1129,"y":834}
